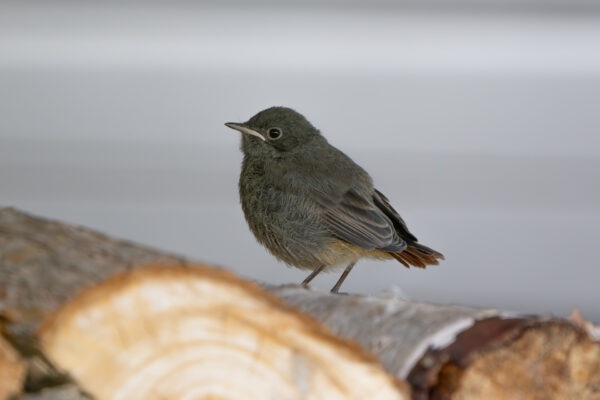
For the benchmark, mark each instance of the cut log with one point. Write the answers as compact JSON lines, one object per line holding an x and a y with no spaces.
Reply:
{"x":454,"y":352}
{"x":43,"y":263}
{"x":199,"y":333}
{"x":551,"y":361}
{"x":443,"y":351}
{"x":12,"y":371}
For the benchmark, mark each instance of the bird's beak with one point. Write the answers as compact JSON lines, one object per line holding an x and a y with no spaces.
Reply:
{"x":244,"y":129}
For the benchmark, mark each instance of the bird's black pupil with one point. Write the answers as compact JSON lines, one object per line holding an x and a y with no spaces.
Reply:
{"x":274,"y":133}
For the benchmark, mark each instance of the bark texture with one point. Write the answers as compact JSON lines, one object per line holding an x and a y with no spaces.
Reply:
{"x":12,"y":371}
{"x":43,"y":263}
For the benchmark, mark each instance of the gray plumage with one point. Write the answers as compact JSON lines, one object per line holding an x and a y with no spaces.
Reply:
{"x":310,"y":205}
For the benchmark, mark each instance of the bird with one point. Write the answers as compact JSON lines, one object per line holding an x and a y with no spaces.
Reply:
{"x":311,"y":206}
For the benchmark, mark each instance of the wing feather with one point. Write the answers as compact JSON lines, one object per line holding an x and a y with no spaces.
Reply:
{"x":384,"y":205}
{"x":358,"y":221}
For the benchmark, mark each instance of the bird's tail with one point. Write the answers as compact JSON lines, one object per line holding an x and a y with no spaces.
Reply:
{"x":418,"y":255}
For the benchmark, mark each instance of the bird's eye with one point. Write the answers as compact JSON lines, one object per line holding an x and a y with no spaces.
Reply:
{"x":274,"y":133}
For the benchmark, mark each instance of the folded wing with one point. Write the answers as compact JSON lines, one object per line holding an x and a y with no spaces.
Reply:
{"x":359,"y":221}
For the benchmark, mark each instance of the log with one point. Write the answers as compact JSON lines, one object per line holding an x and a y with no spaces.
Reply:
{"x":43,"y":263}
{"x":182,"y":332}
{"x":443,"y":351}
{"x":12,"y":371}
{"x":454,"y":352}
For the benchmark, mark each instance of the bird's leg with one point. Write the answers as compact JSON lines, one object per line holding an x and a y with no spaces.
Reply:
{"x":337,"y":285}
{"x":312,"y":275}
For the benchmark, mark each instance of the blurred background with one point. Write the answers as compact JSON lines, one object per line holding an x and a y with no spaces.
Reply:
{"x":480,"y":120}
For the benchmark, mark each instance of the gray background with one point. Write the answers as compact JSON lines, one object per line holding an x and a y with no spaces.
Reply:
{"x":480,"y":120}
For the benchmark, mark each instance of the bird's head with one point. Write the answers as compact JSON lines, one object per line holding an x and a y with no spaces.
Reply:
{"x":275,"y":130}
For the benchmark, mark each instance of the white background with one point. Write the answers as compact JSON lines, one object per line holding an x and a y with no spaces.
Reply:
{"x":480,"y":122}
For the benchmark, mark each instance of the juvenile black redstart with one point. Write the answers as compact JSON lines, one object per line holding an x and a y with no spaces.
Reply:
{"x":313,"y":207}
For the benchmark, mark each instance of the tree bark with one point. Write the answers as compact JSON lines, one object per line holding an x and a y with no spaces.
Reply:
{"x":444,"y":352}
{"x":454,"y":352}
{"x":12,"y":371}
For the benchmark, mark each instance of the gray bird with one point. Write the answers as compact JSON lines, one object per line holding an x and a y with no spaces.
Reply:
{"x":313,"y":207}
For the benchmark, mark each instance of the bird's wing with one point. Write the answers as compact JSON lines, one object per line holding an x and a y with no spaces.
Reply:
{"x":358,"y":221}
{"x":384,"y":205}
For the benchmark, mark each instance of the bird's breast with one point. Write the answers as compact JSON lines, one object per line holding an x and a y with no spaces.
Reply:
{"x":284,"y":220}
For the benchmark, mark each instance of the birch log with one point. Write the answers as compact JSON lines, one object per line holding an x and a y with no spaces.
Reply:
{"x":445,"y":352}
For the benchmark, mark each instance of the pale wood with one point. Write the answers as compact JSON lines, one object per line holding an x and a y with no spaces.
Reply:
{"x":12,"y":371}
{"x":550,"y":362}
{"x":196,"y":333}
{"x":417,"y":341}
